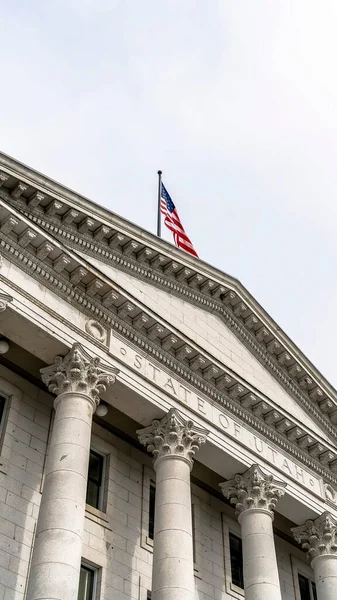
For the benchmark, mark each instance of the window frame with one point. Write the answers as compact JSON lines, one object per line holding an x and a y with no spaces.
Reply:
{"x":102,"y":491}
{"x":95,"y":570}
{"x":12,"y":395}
{"x":152,"y":499}
{"x":301,"y":568}
{"x":238,"y":537}
{"x":100,"y":446}
{"x":149,"y":478}
{"x":230,"y":526}
{"x":310,"y":582}
{"x":144,"y":587}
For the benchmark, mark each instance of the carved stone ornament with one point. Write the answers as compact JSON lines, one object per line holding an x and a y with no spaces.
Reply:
{"x":96,"y":330}
{"x":78,"y":372}
{"x":253,"y":489}
{"x":330,"y":493}
{"x":317,"y":537}
{"x":173,"y":436}
{"x":5,"y":299}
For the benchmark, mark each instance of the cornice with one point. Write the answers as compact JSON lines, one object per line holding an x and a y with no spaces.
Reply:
{"x":110,"y":306}
{"x":108,"y":237}
{"x":315,"y":400}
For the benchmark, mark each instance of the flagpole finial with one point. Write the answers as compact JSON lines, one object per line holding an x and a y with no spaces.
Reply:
{"x":160,"y":172}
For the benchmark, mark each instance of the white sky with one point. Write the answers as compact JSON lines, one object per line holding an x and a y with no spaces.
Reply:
{"x":235,"y":100}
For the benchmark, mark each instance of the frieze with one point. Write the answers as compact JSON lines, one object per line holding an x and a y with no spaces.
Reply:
{"x":220,"y":419}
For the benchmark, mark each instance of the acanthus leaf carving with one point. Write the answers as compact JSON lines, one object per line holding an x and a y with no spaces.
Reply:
{"x":173,"y":436}
{"x":254,"y":489}
{"x":317,"y":537}
{"x":78,"y":372}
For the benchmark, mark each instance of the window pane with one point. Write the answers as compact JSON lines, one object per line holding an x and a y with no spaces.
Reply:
{"x":93,"y":494}
{"x":86,"y":585}
{"x":148,"y":595}
{"x":2,"y":407}
{"x":304,"y":587}
{"x":314,"y":593}
{"x":151,"y":510}
{"x":95,"y":466}
{"x":94,"y":479}
{"x":235,"y":545}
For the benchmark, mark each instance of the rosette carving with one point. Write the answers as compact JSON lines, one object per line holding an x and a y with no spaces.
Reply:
{"x":253,"y":489}
{"x":78,"y":372}
{"x":317,"y":537}
{"x":5,"y":299}
{"x":173,"y":436}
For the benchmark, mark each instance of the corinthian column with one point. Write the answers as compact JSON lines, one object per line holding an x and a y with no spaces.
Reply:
{"x":77,"y":380}
{"x":318,"y":537}
{"x":255,"y":495}
{"x":173,"y":442}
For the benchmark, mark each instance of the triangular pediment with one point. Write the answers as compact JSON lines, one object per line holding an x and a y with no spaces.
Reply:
{"x":211,"y":334}
{"x":213,"y":331}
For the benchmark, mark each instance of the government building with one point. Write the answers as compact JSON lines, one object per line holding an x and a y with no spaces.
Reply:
{"x":161,"y":436}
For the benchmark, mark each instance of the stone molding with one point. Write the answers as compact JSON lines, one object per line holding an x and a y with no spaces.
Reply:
{"x":253,"y":490}
{"x":5,"y":299}
{"x":78,"y":372}
{"x":172,"y":436}
{"x":130,"y":255}
{"x":215,"y":380}
{"x":223,"y":301}
{"x":318,"y":537}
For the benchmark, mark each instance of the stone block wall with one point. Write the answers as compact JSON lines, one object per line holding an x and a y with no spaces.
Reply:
{"x":115,"y":538}
{"x":24,"y":439}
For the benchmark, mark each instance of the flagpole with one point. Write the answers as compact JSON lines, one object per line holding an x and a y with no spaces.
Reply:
{"x":159,"y":196}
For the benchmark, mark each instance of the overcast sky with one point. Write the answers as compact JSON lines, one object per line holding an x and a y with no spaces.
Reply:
{"x":235,"y":100}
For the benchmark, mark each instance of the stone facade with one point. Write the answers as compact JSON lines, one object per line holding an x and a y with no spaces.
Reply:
{"x":214,"y":437}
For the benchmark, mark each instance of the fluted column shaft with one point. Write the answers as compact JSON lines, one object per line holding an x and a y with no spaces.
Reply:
{"x":318,"y":537}
{"x":255,"y":495}
{"x":173,"y":442}
{"x":56,"y":559}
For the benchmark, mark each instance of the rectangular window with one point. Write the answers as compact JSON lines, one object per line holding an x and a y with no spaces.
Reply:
{"x":86,"y":585}
{"x":148,"y":595}
{"x":307,"y":588}
{"x":152,"y":500}
{"x":235,"y":545}
{"x":95,"y":479}
{"x":2,"y":409}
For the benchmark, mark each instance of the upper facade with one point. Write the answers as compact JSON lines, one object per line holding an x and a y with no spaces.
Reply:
{"x":190,"y":335}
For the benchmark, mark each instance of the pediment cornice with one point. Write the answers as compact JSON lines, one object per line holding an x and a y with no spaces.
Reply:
{"x":130,"y":249}
{"x":64,"y":272}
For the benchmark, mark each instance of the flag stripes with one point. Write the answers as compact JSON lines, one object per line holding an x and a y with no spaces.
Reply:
{"x":173,"y":223}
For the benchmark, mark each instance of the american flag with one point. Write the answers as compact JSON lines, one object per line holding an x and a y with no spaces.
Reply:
{"x":173,"y":222}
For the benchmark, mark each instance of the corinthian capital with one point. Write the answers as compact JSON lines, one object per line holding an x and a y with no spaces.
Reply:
{"x":173,"y":436}
{"x":253,"y":489}
{"x":78,"y":372}
{"x":317,"y":537}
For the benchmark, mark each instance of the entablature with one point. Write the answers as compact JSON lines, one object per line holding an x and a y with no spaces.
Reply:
{"x":104,"y":238}
{"x":65,"y":273}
